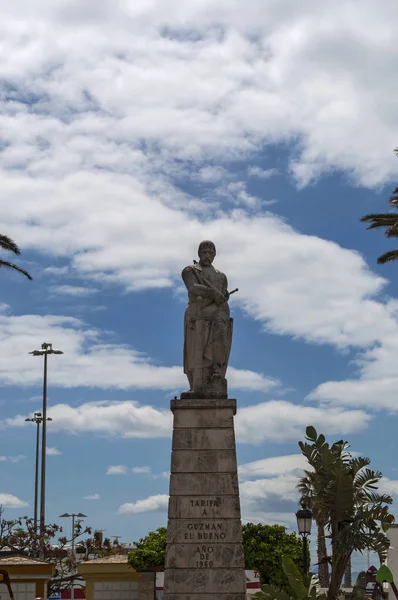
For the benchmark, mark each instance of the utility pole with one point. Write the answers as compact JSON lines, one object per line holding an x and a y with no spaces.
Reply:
{"x":80,"y":516}
{"x":46,"y":349}
{"x":38,"y":419}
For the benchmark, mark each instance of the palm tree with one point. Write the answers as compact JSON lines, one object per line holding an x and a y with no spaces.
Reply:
{"x":387,"y":220}
{"x":344,"y":491}
{"x":8,"y":244}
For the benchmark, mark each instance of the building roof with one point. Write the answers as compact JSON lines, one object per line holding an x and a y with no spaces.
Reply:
{"x":113,"y":559}
{"x":18,"y":559}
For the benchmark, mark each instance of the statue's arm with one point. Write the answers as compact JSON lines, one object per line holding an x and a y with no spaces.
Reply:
{"x":193,"y":286}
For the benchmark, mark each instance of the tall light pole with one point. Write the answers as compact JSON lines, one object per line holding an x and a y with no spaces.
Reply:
{"x":46,"y":349}
{"x":304,"y":522}
{"x":37,"y":418}
{"x":80,"y":516}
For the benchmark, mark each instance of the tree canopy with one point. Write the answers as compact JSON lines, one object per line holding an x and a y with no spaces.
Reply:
{"x":264,"y":547}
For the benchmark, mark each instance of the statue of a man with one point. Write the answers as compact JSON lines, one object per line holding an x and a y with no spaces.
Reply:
{"x":207,"y":327}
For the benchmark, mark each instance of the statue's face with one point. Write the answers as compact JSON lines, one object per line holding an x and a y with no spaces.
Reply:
{"x":206,"y":257}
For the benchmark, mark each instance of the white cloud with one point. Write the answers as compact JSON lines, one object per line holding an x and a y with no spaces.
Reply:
{"x":388,"y":486}
{"x":12,"y":459}
{"x":286,"y":421}
{"x":157,"y":503}
{"x":117,"y":470}
{"x":277,"y":465}
{"x":91,"y":497}
{"x":283,"y":486}
{"x":222,"y":98}
{"x":376,"y":373}
{"x":280,"y":421}
{"x":56,"y":270}
{"x":215,"y":79}
{"x":72,"y":290}
{"x":262,"y":173}
{"x":10,"y":501}
{"x":52,"y":451}
{"x":163,"y":475}
{"x":90,"y":360}
{"x":140,"y":470}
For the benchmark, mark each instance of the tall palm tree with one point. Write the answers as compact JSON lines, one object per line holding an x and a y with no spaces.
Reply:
{"x":8,"y":244}
{"x":387,"y":220}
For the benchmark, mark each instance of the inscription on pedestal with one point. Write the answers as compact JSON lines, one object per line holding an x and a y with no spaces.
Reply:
{"x":204,"y":556}
{"x":216,"y":507}
{"x":200,"y":530}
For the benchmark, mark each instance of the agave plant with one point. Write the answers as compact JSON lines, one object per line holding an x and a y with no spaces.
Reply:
{"x":306,"y":586}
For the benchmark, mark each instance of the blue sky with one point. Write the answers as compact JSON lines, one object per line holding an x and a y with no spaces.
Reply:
{"x":130,"y":131}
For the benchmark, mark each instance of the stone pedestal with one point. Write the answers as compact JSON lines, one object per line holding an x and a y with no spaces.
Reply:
{"x":204,"y":559}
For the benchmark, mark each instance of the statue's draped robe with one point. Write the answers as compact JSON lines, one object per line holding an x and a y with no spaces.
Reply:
{"x":216,"y":330}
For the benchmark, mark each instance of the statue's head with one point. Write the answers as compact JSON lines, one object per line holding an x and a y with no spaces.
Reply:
{"x":206,"y":252}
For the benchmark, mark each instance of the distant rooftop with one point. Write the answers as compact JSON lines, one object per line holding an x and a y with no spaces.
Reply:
{"x":18,"y":559}
{"x":113,"y":559}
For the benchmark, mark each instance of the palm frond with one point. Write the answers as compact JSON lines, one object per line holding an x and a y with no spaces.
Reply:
{"x":9,"y":265}
{"x":7,"y":243}
{"x":387,"y":257}
{"x":392,"y":231}
{"x":380,"y":220}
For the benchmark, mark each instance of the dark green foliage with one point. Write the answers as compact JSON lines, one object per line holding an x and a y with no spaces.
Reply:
{"x":150,"y":551}
{"x":264,"y":546}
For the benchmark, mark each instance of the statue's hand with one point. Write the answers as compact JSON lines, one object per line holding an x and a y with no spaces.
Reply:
{"x":227,"y":295}
{"x":219,"y":298}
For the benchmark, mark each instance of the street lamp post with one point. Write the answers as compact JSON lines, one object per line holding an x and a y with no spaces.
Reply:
{"x":304,"y":522}
{"x":38,"y":419}
{"x":46,"y":349}
{"x":80,"y":516}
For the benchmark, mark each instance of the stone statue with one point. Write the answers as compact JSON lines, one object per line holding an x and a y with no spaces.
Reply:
{"x":207,"y":327}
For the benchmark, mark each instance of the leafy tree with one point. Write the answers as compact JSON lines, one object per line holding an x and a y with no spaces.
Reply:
{"x":150,"y":551}
{"x":387,"y":220}
{"x":264,"y":546}
{"x":9,"y":245}
{"x":345,"y":491}
{"x":19,"y":537}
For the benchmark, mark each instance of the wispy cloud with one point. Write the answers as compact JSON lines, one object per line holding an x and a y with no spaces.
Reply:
{"x":51,"y":451}
{"x":12,"y":459}
{"x":91,"y":497}
{"x":117,"y":470}
{"x":72,"y":290}
{"x":139,"y":470}
{"x":157,"y":503}
{"x":10,"y":501}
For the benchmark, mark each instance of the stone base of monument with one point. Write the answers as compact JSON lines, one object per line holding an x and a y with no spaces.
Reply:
{"x":204,"y":557}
